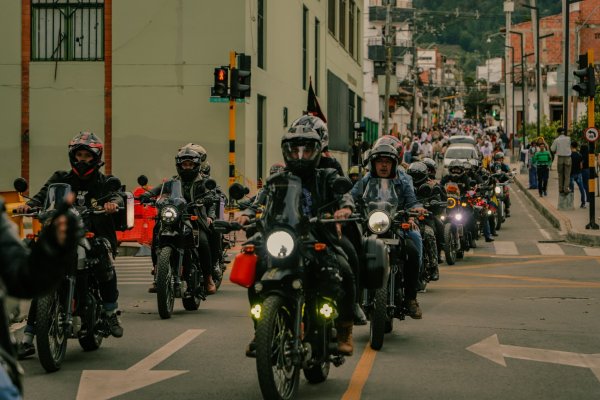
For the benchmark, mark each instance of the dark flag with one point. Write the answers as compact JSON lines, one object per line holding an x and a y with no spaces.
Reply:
{"x":313,"y":107}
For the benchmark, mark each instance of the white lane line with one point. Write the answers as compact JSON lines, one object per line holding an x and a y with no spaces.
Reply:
{"x":543,"y":232}
{"x":592,"y":251}
{"x":550,"y":249}
{"x":506,"y":248}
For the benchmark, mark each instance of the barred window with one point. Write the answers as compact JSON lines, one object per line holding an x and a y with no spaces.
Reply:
{"x":67,"y":30}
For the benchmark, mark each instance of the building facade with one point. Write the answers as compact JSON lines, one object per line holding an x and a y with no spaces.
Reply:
{"x":139,"y":72}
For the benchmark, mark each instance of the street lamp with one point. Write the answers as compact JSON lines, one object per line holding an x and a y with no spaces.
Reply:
{"x":512,"y":75}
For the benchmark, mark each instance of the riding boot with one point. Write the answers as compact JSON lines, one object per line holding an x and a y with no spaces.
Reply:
{"x":344,"y":336}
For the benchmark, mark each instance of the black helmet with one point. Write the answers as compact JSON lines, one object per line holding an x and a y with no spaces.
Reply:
{"x":301,"y":149}
{"x":498,"y":156}
{"x":383,"y":150}
{"x":419,"y":173}
{"x":456,"y":169}
{"x":317,"y":125}
{"x":203,"y":155}
{"x":276,"y":168}
{"x":431,"y":166}
{"x":91,"y":143}
{"x":187,"y":154}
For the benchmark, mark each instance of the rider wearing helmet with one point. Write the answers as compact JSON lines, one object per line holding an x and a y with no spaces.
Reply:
{"x":431,"y":167}
{"x":354,"y":173}
{"x":301,"y":150}
{"x":456,"y":174}
{"x":499,"y":166}
{"x":383,"y":160}
{"x":88,"y":184}
{"x":419,"y":172}
{"x":326,"y":159}
{"x":187,"y":164}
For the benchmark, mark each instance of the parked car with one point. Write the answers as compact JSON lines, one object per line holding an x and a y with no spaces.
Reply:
{"x":461,"y":139}
{"x":460,"y":151}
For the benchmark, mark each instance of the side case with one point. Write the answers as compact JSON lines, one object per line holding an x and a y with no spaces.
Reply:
{"x":376,"y":263}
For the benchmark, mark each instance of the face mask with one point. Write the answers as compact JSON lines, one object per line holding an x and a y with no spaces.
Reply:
{"x":82,"y":168}
{"x":188,"y":174}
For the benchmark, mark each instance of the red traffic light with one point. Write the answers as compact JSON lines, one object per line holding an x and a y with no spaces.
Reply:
{"x":221,"y":74}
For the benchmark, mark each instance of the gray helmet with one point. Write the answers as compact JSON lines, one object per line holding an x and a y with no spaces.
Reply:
{"x":383,"y":150}
{"x":418,"y":171}
{"x":456,"y":169}
{"x":317,"y":124}
{"x":431,"y":166}
{"x":301,"y":149}
{"x":187,"y":154}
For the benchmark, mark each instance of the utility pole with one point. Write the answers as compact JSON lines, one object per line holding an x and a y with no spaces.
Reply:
{"x":231,"y":126}
{"x":592,"y":145}
{"x":415,"y":80}
{"x":388,"y":67}
{"x":509,"y":8}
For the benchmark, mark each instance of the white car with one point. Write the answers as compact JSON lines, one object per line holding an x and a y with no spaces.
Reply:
{"x":459,"y":151}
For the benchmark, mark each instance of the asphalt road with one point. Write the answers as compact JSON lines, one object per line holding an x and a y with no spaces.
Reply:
{"x":516,"y":319}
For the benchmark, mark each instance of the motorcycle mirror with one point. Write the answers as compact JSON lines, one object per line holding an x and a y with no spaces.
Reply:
{"x":342,"y":185}
{"x":113,"y":184}
{"x":142,"y":180}
{"x":237,"y":191}
{"x":210,"y":184}
{"x":20,"y":185}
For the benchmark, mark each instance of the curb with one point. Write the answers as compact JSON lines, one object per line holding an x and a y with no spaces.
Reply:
{"x":559,"y":221}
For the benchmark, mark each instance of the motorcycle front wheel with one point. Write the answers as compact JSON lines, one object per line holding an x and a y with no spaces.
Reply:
{"x":450,"y":244}
{"x":92,"y":340}
{"x":51,"y":337}
{"x":277,"y":375}
{"x":379,"y":318}
{"x":165,"y":291}
{"x":192,"y":303}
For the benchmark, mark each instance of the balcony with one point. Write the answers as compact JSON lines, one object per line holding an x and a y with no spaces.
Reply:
{"x":376,"y":49}
{"x":399,"y":14}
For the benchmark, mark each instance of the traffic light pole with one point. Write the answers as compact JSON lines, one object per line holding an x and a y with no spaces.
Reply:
{"x":231,"y":126}
{"x":591,"y":194}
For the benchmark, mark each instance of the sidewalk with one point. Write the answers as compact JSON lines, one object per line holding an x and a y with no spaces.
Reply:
{"x":570,"y":223}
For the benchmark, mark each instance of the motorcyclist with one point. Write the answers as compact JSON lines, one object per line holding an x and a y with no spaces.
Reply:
{"x":88,"y":184}
{"x":384,"y":161}
{"x":354,"y":173}
{"x":301,"y":149}
{"x":27,"y":272}
{"x":187,"y":164}
{"x":499,"y":166}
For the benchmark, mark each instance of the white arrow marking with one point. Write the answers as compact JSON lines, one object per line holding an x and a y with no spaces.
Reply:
{"x":491,"y":349}
{"x":101,"y":385}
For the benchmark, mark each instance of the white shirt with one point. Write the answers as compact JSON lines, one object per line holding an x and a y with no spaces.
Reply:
{"x":562,"y":146}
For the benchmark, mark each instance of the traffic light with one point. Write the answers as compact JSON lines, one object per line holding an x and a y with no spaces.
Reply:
{"x":587,"y":80}
{"x":220,"y":87}
{"x":240,"y":77}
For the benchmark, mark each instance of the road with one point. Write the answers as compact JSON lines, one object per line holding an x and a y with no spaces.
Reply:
{"x":516,"y":319}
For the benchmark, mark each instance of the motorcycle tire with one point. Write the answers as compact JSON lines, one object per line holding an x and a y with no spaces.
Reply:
{"x":92,"y":340}
{"x":450,"y":245}
{"x":460,"y":254}
{"x":165,"y":290}
{"x":500,"y":216}
{"x":274,"y":334}
{"x":51,"y":337}
{"x":379,"y":317}
{"x":317,"y":373}
{"x":192,"y":303}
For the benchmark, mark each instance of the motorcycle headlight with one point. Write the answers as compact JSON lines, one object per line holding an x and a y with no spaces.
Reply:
{"x":489,"y":212}
{"x":169,"y":214}
{"x":280,"y":244}
{"x":379,"y":222}
{"x":498,"y":190}
{"x":458,"y":217}
{"x":443,"y":217}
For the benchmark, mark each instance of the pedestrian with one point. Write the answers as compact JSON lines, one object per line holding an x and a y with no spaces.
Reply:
{"x":585,"y":168}
{"x":576,"y":177}
{"x":542,"y":159}
{"x":562,"y":148}
{"x":533,"y":148}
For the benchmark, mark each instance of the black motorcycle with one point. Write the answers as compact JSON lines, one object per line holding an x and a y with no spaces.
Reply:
{"x":176,"y":240}
{"x":384,"y":245}
{"x":295,"y":316}
{"x":74,"y":309}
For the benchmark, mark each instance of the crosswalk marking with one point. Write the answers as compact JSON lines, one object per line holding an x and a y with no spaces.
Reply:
{"x":506,"y":248}
{"x":133,"y":270}
{"x":550,"y":249}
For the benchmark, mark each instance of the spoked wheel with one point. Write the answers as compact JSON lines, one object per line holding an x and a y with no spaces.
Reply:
{"x":277,"y":375}
{"x":92,"y":340}
{"x":379,"y":318}
{"x":165,"y":291}
{"x":51,"y":337}
{"x":450,"y":244}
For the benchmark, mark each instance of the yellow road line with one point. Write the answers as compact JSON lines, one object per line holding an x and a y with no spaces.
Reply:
{"x":361,"y":374}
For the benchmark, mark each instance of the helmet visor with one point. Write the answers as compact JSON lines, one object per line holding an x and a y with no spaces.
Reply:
{"x":301,"y":150}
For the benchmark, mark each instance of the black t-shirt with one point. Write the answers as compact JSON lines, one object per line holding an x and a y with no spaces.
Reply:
{"x":575,"y":163}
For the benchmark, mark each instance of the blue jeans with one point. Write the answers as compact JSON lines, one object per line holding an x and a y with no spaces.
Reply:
{"x":577,"y":178}
{"x":418,"y":241}
{"x":8,"y":391}
{"x":585,"y":177}
{"x":533,"y":178}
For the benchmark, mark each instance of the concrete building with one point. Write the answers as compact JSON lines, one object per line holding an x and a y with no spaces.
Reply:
{"x":139,"y":72}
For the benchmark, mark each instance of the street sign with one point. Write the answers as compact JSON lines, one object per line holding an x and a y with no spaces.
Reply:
{"x":591,"y":134}
{"x":213,"y":99}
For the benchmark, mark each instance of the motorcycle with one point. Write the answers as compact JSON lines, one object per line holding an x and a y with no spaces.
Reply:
{"x":501,"y":192}
{"x":178,"y":271}
{"x":385,"y":250}
{"x":295,"y":316}
{"x":456,"y":237}
{"x":74,"y":309}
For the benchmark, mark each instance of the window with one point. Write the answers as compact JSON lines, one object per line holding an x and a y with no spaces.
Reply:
{"x":358,"y":36}
{"x":351,"y":26}
{"x":67,"y":30}
{"x":342,"y":18}
{"x":317,"y":59}
{"x":331,"y":16}
{"x":260,"y":24}
{"x":304,"y":47}
{"x":261,"y":119}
